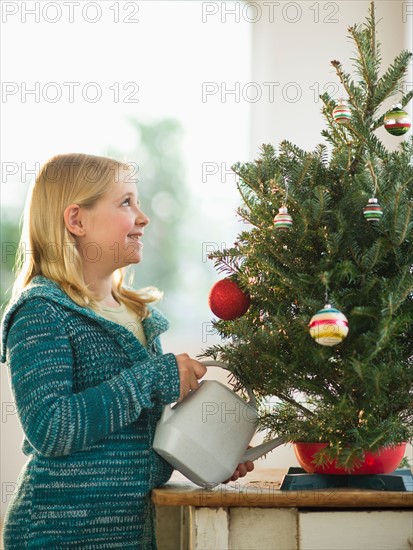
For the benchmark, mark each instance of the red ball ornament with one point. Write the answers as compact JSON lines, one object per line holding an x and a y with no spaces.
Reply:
{"x":227,"y":301}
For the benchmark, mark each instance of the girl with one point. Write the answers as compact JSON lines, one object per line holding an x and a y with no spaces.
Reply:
{"x":87,"y":370}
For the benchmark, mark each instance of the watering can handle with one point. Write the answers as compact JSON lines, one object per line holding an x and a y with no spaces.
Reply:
{"x":212,"y":363}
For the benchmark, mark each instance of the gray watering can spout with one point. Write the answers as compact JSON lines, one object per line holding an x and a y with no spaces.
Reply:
{"x":260,"y":450}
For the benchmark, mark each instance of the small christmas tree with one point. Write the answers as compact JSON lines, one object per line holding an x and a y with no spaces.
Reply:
{"x":343,"y":237}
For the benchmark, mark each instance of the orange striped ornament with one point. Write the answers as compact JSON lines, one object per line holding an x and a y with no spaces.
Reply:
{"x":328,"y":326}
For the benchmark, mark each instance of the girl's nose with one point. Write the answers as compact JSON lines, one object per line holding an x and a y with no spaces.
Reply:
{"x":142,"y":219}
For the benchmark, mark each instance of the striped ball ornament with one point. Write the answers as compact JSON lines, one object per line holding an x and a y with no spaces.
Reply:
{"x":283,"y":220}
{"x":373,"y":212}
{"x":328,"y":326}
{"x":397,"y":121}
{"x":342,"y":113}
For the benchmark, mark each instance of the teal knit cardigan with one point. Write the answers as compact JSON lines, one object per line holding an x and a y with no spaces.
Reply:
{"x":88,"y":396}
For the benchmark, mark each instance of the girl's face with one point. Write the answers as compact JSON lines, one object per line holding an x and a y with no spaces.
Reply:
{"x":111,"y":231}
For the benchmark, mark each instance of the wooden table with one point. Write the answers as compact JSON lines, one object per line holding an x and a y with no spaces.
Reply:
{"x":253,"y":513}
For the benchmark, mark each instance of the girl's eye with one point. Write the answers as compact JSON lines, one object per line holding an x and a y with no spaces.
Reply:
{"x":127,"y":201}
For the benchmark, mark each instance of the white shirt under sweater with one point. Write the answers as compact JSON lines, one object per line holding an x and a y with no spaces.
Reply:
{"x":126,"y":317}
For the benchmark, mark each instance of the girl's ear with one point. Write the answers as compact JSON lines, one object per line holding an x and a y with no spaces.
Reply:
{"x":73,"y":222}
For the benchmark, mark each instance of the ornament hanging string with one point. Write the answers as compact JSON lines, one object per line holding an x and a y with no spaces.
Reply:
{"x":374,"y":178}
{"x":325,"y":280}
{"x":286,"y":193}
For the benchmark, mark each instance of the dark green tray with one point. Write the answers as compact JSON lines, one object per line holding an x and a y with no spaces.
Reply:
{"x":298,"y":479}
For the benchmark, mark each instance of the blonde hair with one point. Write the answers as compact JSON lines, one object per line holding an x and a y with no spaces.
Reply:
{"x":46,"y":246}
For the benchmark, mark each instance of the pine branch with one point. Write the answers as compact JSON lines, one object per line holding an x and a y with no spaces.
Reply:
{"x":391,"y":82}
{"x":374,"y":47}
{"x":366,"y":70}
{"x":347,"y":84}
{"x":303,"y":409}
{"x":373,"y":175}
{"x":406,"y":224}
{"x":407,"y":97}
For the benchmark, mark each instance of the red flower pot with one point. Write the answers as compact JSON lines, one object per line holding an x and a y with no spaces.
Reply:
{"x":383,"y":461}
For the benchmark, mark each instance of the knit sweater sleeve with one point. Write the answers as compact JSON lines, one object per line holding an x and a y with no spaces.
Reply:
{"x":57,"y":421}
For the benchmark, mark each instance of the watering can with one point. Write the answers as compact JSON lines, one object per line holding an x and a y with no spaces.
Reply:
{"x":205,"y":436}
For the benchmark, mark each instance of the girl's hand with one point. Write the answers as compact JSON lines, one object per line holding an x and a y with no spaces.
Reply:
{"x":190,"y":370}
{"x":241,"y":471}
